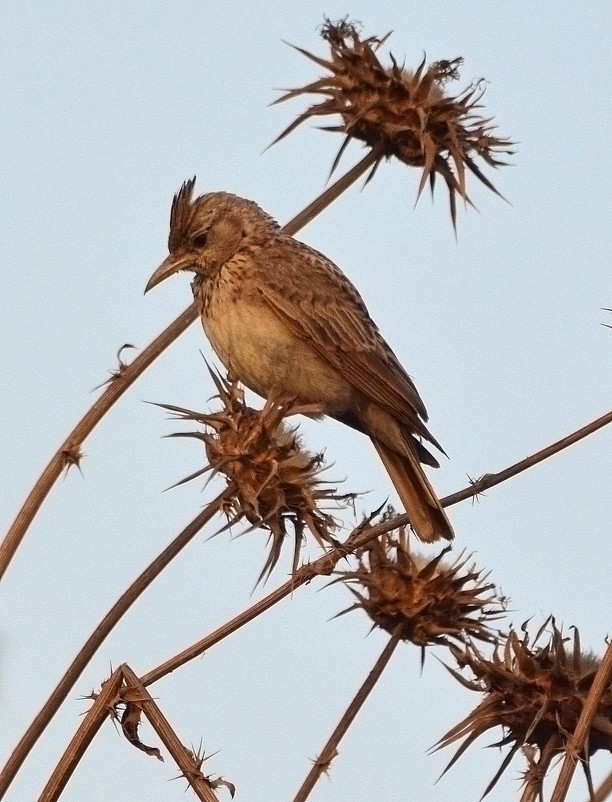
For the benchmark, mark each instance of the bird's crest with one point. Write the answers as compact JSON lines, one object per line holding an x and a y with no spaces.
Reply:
{"x":190,"y":214}
{"x":181,"y":214}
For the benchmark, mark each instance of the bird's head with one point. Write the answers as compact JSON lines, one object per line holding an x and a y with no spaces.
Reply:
{"x":206,"y":232}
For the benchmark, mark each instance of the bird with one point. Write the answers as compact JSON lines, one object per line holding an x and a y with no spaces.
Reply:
{"x":287,"y":323}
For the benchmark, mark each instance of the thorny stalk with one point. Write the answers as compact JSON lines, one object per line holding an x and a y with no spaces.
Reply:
{"x":575,"y":748}
{"x":70,"y":450}
{"x":69,"y":453}
{"x":96,"y":716}
{"x":604,"y":791}
{"x":124,"y":685}
{"x":330,"y":750}
{"x":492,"y":479}
{"x":324,"y":565}
{"x":95,"y":640}
{"x":183,"y":757}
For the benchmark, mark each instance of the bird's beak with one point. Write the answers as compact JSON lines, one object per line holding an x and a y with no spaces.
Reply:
{"x":171,"y":265}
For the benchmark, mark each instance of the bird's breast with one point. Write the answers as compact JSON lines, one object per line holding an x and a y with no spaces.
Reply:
{"x":258,"y":348}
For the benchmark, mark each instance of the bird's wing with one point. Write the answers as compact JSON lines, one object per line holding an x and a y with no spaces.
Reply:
{"x":318,"y":303}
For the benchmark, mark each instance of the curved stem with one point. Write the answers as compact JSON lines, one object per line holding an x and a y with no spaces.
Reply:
{"x":71,"y":445}
{"x":305,"y":574}
{"x":128,"y":376}
{"x":358,"y":538}
{"x":88,"y":729}
{"x":492,"y":479}
{"x":332,"y":192}
{"x":605,"y":789}
{"x":330,"y":750}
{"x":574,"y":750}
{"x":97,"y":637}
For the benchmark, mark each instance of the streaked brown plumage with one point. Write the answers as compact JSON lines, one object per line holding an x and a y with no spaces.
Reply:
{"x":288,"y":323}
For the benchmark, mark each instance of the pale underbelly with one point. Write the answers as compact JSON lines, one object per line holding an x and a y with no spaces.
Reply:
{"x":258,"y":349}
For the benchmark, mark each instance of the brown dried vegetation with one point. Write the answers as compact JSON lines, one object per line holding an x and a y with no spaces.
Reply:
{"x":277,"y":481}
{"x":422,"y":600}
{"x":401,"y":112}
{"x":537,"y":695}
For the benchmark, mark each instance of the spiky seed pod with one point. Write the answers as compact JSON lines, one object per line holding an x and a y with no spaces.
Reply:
{"x":425,"y":601}
{"x":277,"y":481}
{"x":536,"y":694}
{"x":401,"y":112}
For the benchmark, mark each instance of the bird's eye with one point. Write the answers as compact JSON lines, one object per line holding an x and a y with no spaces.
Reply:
{"x":199,"y":241}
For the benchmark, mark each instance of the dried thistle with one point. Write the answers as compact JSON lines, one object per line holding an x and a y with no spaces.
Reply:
{"x":536,"y":694}
{"x":425,"y":601}
{"x":401,"y":112}
{"x":277,"y":481}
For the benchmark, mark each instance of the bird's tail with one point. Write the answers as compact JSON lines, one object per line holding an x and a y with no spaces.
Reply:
{"x":427,"y":517}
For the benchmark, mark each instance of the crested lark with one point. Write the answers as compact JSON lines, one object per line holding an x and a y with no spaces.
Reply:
{"x":288,"y":323}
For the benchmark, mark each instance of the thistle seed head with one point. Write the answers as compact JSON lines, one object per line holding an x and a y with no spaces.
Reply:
{"x":536,"y":694}
{"x":277,"y":482}
{"x":403,"y":113}
{"x":424,"y":600}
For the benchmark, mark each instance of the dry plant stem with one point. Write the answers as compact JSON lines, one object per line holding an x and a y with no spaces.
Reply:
{"x":323,"y":762}
{"x":84,"y":427}
{"x":83,"y":737}
{"x":97,"y":637}
{"x":333,"y":192}
{"x":323,"y":566}
{"x":121,"y":382}
{"x":604,"y":791}
{"x":327,"y":563}
{"x":574,"y":751}
{"x":302,"y":576}
{"x":492,"y":479}
{"x":529,"y":795}
{"x":183,"y":757}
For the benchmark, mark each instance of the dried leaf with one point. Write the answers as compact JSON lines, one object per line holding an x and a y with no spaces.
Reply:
{"x":130,"y":722}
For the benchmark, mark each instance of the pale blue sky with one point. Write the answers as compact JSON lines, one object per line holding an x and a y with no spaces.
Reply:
{"x":107,"y":108}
